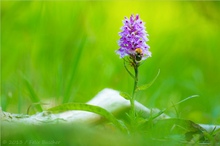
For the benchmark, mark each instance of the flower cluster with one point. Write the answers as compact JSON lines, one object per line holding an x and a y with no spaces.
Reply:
{"x":133,"y":39}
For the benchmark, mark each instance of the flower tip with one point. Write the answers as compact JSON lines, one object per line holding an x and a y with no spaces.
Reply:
{"x":137,"y":16}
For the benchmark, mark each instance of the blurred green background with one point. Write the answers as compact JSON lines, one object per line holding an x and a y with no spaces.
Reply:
{"x":66,"y":51}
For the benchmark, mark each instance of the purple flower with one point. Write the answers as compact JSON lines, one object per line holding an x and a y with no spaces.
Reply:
{"x":133,"y":39}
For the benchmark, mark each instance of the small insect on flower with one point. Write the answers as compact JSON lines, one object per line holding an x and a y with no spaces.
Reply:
{"x":139,"y":54}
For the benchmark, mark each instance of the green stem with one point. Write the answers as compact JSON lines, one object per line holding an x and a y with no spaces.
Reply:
{"x":132,"y":100}
{"x":135,"y":64}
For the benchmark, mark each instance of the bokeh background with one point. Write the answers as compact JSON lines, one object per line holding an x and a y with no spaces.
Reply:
{"x":66,"y":51}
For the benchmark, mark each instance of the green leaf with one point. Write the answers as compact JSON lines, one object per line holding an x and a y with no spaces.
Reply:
{"x":128,"y":70}
{"x":125,"y":95}
{"x":90,"y":108}
{"x":144,"y":87}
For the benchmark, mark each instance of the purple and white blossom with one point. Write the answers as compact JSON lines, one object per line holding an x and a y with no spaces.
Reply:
{"x":133,"y":38}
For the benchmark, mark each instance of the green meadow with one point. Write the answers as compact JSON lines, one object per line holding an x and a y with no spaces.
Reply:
{"x":56,"y":52}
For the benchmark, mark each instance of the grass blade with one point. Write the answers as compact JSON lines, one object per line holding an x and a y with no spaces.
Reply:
{"x":33,"y":96}
{"x":74,"y":66}
{"x":193,"y":96}
{"x":161,"y":112}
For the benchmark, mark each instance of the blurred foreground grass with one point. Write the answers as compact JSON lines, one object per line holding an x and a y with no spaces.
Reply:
{"x":76,"y":135}
{"x":66,"y":52}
